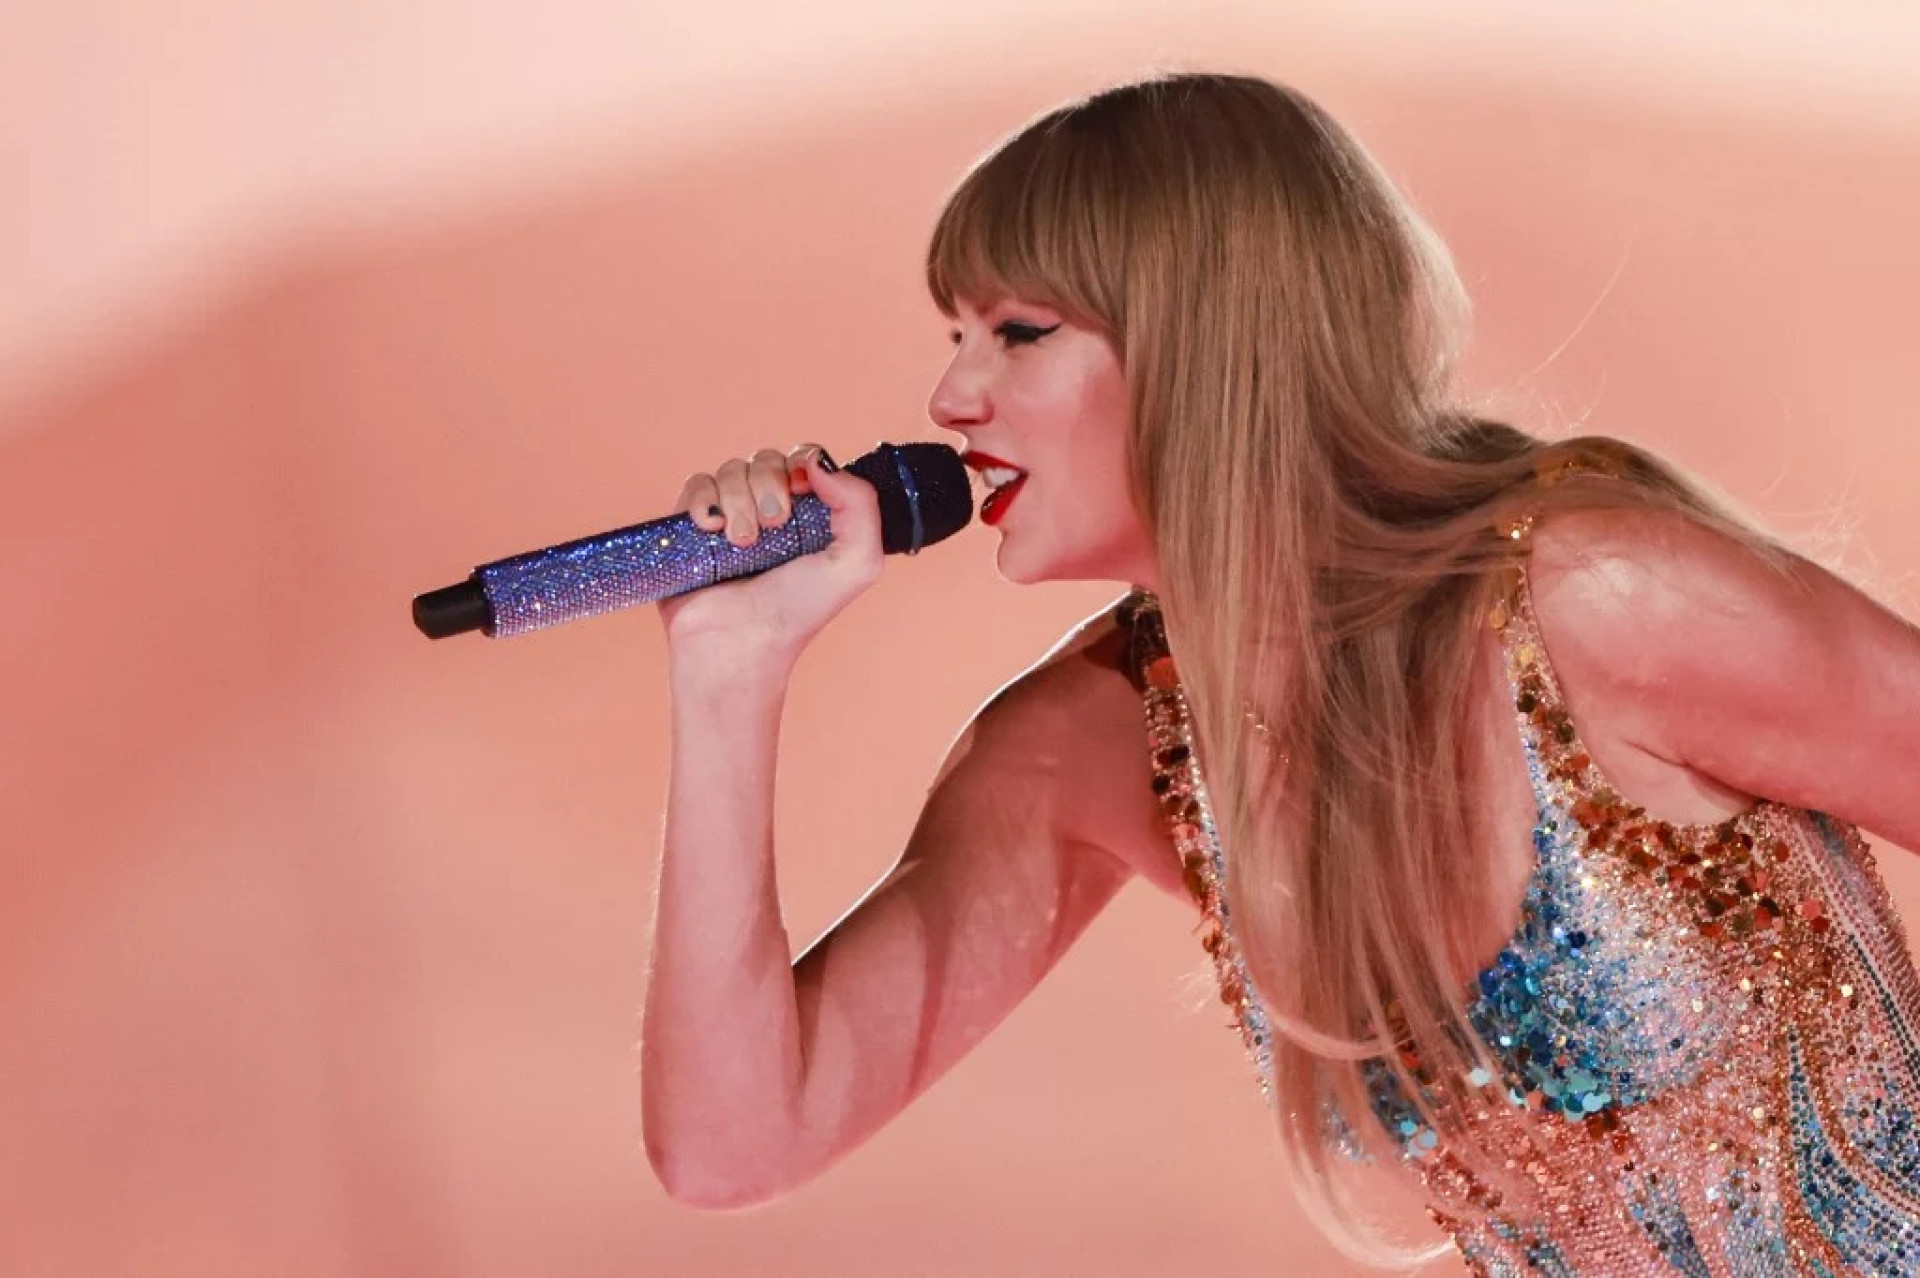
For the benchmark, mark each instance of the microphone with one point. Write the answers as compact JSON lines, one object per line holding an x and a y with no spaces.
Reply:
{"x":924,"y":498}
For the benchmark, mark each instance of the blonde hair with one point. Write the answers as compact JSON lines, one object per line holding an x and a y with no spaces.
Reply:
{"x":1328,"y":529}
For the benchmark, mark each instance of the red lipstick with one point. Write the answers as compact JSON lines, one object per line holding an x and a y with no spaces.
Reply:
{"x":980,"y":461}
{"x":994,"y":508}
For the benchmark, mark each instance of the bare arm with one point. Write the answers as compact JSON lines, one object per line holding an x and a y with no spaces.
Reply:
{"x":1788,"y":686}
{"x":759,"y":1071}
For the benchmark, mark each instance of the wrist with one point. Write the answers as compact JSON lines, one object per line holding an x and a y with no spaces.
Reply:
{"x":740,"y":670}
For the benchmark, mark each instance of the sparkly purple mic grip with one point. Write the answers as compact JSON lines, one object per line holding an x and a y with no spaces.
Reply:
{"x":642,"y":564}
{"x":923,"y":494}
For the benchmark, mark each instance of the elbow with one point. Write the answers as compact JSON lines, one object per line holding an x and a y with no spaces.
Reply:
{"x":701,"y":1191}
{"x":697,"y":1179}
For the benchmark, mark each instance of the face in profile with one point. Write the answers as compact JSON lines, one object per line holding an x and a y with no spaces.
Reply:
{"x":1045,"y":401}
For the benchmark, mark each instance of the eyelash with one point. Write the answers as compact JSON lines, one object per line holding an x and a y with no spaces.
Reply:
{"x":1014,"y":333}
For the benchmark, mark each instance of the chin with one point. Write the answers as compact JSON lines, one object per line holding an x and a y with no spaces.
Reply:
{"x":1011,"y":569}
{"x":1024,"y":571}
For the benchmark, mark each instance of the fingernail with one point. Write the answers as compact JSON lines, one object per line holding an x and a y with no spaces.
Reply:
{"x":769,"y":505}
{"x":827,"y":463}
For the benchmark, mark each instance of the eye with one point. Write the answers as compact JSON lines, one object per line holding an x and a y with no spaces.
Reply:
{"x":1014,"y":333}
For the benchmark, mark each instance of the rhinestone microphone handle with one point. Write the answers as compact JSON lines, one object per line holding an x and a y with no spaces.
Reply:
{"x":637,"y":565}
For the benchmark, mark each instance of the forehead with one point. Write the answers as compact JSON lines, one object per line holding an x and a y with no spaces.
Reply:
{"x":999,"y":299}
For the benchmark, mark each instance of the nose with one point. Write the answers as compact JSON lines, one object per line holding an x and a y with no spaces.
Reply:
{"x":959,"y":399}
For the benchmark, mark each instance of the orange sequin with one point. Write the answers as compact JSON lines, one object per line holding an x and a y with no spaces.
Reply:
{"x":1710,"y":1033}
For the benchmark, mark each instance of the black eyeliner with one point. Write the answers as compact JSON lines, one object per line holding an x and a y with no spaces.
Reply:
{"x":1028,"y":333}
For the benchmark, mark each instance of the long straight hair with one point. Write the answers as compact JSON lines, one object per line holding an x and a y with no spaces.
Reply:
{"x":1328,"y":528}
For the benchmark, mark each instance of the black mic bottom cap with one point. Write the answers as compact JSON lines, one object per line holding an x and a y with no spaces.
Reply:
{"x":452,"y":610}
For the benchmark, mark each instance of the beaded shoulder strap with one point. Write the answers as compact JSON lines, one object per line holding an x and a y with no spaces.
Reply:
{"x":1561,"y":767}
{"x":1184,"y":806}
{"x":1721,"y":869}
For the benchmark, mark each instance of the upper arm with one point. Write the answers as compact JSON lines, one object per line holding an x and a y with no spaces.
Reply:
{"x":995,"y":883}
{"x":1784,"y":683}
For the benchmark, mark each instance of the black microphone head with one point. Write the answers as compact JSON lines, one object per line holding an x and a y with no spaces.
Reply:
{"x":929,"y":502}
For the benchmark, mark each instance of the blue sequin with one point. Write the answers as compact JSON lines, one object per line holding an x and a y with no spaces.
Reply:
{"x":1707,"y":1038}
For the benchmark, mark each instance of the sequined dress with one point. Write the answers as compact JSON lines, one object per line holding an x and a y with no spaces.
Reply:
{"x":1710,"y":1030}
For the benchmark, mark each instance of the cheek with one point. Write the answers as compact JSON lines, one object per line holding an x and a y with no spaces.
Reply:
{"x":1086,"y":500}
{"x":1101,"y":446}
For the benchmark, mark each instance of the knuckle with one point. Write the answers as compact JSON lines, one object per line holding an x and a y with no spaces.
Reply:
{"x":763,"y":475}
{"x":697,"y":496}
{"x":771,"y":506}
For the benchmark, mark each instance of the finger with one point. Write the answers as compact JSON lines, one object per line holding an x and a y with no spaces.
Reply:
{"x":736,"y":502}
{"x":853,"y":503}
{"x":700,"y":499}
{"x":828,"y":480}
{"x":767,"y":477}
{"x":797,"y":479}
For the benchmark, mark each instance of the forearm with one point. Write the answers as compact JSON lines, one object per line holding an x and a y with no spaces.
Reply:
{"x":721,"y":1063}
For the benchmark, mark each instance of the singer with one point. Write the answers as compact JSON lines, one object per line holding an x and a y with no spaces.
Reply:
{"x":1517,"y":783}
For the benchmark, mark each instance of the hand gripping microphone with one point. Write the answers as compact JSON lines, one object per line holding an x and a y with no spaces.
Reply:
{"x":924,"y":498}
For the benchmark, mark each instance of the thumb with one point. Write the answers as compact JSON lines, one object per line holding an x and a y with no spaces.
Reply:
{"x":854,"y":503}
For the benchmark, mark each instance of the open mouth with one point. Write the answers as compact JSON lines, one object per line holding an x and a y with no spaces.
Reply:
{"x":994,"y":508}
{"x":1003,"y":480}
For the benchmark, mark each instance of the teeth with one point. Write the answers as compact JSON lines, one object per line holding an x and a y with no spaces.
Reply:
{"x":1000,"y":476}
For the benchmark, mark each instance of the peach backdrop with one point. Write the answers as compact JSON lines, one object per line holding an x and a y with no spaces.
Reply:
{"x":321,"y":950}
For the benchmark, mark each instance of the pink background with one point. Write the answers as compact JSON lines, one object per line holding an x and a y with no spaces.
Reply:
{"x":321,"y":946}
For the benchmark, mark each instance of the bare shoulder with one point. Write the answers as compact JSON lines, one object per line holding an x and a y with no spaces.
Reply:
{"x":1077,"y":708}
{"x":1050,"y":695}
{"x":1764,"y":676}
{"x":1622,"y":598}
{"x":1633,"y":599}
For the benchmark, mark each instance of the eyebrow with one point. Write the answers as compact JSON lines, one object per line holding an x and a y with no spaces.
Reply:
{"x":989,"y":307}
